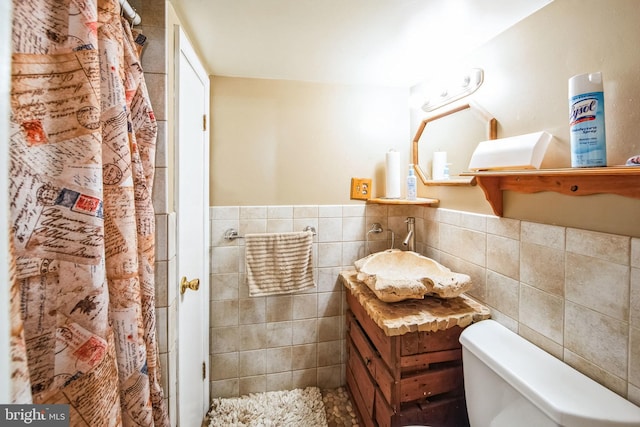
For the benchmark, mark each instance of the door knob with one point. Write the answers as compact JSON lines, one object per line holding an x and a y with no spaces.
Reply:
{"x":185,"y":284}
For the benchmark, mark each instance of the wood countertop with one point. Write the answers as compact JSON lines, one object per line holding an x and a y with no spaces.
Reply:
{"x":429,"y":314}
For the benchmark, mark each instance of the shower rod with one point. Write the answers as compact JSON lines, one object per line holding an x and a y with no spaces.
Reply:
{"x":130,"y":12}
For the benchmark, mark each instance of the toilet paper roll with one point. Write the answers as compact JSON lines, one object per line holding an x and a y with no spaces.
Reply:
{"x":439,"y":165}
{"x":393,"y":175}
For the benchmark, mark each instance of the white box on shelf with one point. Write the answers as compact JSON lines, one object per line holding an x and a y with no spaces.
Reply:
{"x":517,"y":152}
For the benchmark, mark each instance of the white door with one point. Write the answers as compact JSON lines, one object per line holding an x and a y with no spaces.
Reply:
{"x":192,"y":205}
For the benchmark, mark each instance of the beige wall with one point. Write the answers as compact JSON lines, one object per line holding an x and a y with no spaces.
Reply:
{"x":282,"y":142}
{"x":526,"y":72}
{"x":279,"y":142}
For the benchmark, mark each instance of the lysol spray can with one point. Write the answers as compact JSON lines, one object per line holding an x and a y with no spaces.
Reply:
{"x":586,"y":121}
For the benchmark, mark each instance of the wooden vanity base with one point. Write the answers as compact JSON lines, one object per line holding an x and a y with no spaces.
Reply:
{"x":414,"y":378}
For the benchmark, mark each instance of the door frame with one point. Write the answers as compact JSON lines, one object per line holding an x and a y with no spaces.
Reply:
{"x":183,"y":46}
{"x":5,"y":90}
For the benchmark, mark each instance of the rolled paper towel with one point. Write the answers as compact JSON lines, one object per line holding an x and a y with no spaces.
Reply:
{"x":393,"y":175}
{"x":439,"y":165}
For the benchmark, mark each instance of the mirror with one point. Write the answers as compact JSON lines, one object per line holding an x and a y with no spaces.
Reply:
{"x":458,"y":131}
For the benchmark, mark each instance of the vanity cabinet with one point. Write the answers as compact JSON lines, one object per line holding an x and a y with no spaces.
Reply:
{"x":415,"y":378}
{"x":404,"y":360}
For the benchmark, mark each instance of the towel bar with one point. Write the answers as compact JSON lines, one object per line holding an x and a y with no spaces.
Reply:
{"x":232,"y":233}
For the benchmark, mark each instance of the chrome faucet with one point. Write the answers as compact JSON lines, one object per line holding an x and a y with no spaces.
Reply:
{"x":410,"y":240}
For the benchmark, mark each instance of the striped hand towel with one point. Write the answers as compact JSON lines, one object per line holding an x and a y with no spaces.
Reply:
{"x":279,"y":263}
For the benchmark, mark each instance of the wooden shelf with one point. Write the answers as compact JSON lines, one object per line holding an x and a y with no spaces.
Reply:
{"x":620,"y":180}
{"x":418,"y":201}
{"x":456,"y":181}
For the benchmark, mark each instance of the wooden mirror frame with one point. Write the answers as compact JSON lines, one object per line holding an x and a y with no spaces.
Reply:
{"x":492,"y":133}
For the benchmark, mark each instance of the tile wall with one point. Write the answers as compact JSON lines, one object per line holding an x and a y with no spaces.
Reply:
{"x":154,"y":63}
{"x":288,"y":341}
{"x":574,"y":293}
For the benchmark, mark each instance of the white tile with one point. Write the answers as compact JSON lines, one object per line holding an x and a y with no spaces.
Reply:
{"x":329,"y":229}
{"x":352,"y":251}
{"x":219,"y":227}
{"x":253,"y":212}
{"x":252,"y":362}
{"x":305,"y":331}
{"x":300,"y":224}
{"x":552,"y":236}
{"x":473,"y":221}
{"x":279,"y":381}
{"x":598,"y":284}
{"x":607,"y":379}
{"x":171,"y":235}
{"x":353,"y":228}
{"x":464,"y":243}
{"x":448,"y":216}
{"x":224,"y":212}
{"x":305,"y":306}
{"x":329,"y":254}
{"x":301,"y":211}
{"x":542,"y":312}
{"x":278,"y":359}
{"x":161,"y":237}
{"x":224,"y":260}
{"x":609,"y":247}
{"x":251,"y":226}
{"x":634,"y":356}
{"x":252,"y":310}
{"x":325,"y":211}
{"x":172,"y":333}
{"x":162,"y":160}
{"x":161,"y":270}
{"x":634,"y":309}
{"x":599,"y":339}
{"x":505,"y":227}
{"x":162,"y":329}
{"x":280,"y":212}
{"x":224,"y":286}
{"x":160,"y":190}
{"x":172,"y":281}
{"x":635,"y":252}
{"x":328,"y":279}
{"x":376,"y":210}
{"x":503,"y":255}
{"x":224,"y":313}
{"x":542,"y":267}
{"x":503,"y":294}
{"x":279,"y":334}
{"x":280,"y":225}
{"x":354,"y":210}
{"x":224,"y":366}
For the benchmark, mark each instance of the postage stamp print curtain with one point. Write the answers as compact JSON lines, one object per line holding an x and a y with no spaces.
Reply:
{"x":82,"y":152}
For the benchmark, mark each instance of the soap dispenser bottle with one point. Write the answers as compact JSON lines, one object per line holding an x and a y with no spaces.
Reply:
{"x":411,"y":184}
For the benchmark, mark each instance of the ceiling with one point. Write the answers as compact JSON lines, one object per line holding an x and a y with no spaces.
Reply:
{"x":376,"y":42}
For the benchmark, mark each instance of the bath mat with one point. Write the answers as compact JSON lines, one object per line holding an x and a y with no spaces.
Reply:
{"x":299,"y":407}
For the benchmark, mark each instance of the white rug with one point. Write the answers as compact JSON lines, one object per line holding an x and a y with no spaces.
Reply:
{"x":299,"y":407}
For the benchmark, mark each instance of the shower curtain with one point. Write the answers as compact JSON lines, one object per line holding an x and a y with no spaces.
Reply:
{"x":81,"y":153}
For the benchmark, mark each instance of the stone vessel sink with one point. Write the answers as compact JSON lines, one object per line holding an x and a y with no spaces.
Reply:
{"x":395,"y":275}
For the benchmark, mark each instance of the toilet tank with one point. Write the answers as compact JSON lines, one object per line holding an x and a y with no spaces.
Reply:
{"x":511,"y":382}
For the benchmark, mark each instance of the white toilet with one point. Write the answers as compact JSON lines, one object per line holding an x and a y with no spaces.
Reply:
{"x":510,"y":382}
